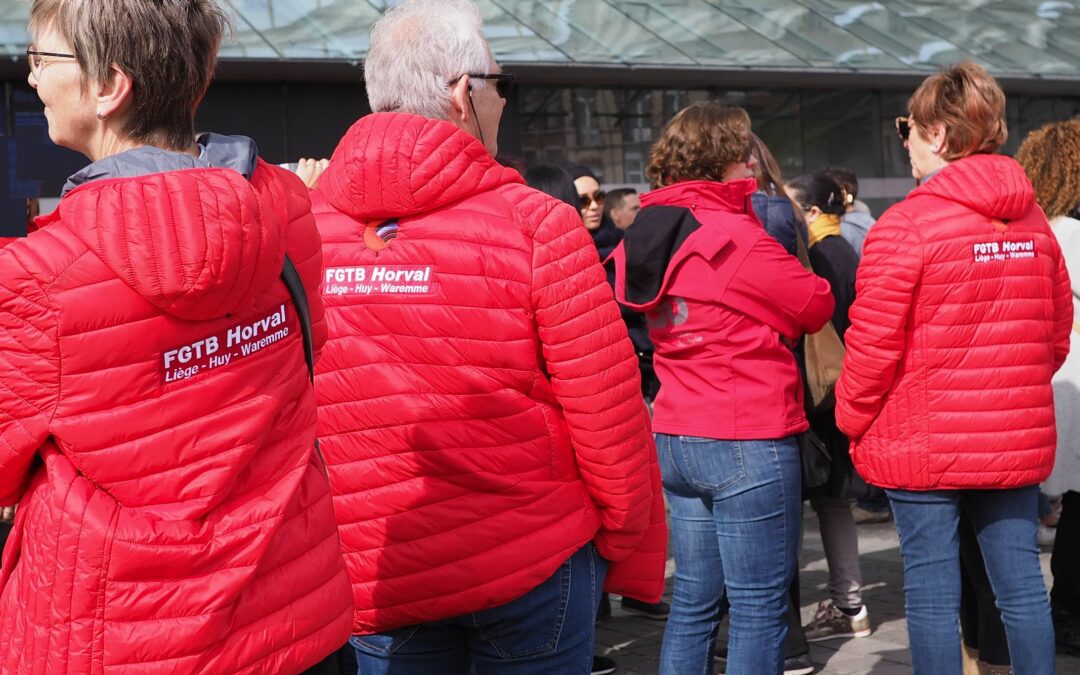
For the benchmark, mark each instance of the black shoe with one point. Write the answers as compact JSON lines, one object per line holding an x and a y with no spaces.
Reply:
{"x":793,"y":665}
{"x":602,"y":665}
{"x":657,"y":611}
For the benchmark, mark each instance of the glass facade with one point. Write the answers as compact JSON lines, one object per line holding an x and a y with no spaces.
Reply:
{"x":1011,"y":37}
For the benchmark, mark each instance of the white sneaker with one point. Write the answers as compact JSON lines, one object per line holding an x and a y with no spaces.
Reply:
{"x":829,"y":622}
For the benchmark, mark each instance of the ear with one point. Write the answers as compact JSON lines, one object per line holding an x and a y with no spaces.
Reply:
{"x":114,"y":95}
{"x":813,"y":214}
{"x":460,"y":111}
{"x":937,"y":138}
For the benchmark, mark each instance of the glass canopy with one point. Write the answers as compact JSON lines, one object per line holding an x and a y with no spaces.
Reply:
{"x":1018,"y":38}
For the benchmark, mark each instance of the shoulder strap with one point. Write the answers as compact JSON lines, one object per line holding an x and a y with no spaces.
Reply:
{"x":296,"y":289}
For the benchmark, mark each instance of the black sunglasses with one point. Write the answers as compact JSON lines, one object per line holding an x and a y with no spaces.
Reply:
{"x":903,"y":128}
{"x":504,"y":82}
{"x":596,"y":197}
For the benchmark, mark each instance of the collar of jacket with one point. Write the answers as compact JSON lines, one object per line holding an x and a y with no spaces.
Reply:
{"x":394,"y":165}
{"x":215,"y":150}
{"x":732,"y":196}
{"x":826,"y":225}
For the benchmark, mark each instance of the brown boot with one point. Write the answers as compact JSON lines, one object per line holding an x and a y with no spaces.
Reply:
{"x":987,"y":669}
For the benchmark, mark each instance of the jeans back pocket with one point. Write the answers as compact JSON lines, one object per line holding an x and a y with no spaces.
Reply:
{"x":712,"y":464}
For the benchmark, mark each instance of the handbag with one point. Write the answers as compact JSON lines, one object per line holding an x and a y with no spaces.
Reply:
{"x":823,"y":350}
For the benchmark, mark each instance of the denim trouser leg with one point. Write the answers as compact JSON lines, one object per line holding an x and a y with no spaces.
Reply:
{"x":550,"y":629}
{"x":735,"y":508}
{"x":1005,"y":522}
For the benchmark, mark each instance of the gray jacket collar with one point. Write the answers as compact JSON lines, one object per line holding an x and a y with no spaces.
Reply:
{"x":215,"y":151}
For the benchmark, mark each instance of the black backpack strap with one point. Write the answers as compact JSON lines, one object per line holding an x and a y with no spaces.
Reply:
{"x":296,"y":289}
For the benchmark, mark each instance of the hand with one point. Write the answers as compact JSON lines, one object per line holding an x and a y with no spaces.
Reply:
{"x":7,"y":514}
{"x":309,"y":171}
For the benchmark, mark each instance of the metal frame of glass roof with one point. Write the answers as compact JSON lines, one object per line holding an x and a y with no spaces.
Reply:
{"x":1028,"y":43}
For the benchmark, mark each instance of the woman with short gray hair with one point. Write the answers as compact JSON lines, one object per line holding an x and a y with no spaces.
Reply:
{"x":157,"y":423}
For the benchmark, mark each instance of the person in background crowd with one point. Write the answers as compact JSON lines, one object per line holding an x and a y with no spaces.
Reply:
{"x":857,"y":220}
{"x":831,"y":256}
{"x":1051,"y":159}
{"x":159,"y":422}
{"x":723,"y":305}
{"x":622,"y":207}
{"x":962,"y":316}
{"x":592,"y":198}
{"x":480,"y":408}
{"x":772,"y":206}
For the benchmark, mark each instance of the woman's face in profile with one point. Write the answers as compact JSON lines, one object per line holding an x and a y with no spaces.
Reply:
{"x":68,"y":109}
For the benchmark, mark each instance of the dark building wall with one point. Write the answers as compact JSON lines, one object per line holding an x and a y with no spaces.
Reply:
{"x":607,"y":128}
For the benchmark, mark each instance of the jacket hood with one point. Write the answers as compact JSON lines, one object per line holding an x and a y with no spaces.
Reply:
{"x":391,"y":165}
{"x":196,"y":241}
{"x":994,"y":186}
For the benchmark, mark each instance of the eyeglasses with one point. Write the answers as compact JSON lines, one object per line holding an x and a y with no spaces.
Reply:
{"x":504,"y":82}
{"x":36,"y":62}
{"x":595,"y":198}
{"x":903,"y":128}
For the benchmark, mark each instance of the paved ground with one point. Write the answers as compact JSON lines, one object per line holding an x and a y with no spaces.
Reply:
{"x":635,"y":642}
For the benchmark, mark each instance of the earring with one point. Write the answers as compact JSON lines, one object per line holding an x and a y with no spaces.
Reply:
{"x":101,"y":116}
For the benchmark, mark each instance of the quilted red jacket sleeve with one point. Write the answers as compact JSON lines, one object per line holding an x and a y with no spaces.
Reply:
{"x":29,"y":373}
{"x":890,"y":269}
{"x":772,"y":286}
{"x":594,"y":376}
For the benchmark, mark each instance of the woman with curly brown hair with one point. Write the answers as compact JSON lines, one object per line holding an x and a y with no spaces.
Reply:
{"x":1051,"y":159}
{"x":723,"y":301}
{"x":962,"y":316}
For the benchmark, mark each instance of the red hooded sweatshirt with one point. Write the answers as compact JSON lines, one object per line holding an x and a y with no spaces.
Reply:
{"x":721,"y":297}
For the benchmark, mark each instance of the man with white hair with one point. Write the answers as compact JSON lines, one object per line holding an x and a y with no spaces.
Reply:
{"x":480,"y":409}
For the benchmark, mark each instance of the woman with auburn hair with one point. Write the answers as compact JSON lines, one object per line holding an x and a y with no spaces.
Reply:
{"x":158,"y":419}
{"x":1051,"y":158}
{"x":723,"y":301}
{"x":962,"y":316}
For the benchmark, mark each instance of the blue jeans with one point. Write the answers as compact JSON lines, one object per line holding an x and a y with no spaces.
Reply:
{"x":735,"y":517}
{"x":550,"y":629}
{"x":1005,"y":523}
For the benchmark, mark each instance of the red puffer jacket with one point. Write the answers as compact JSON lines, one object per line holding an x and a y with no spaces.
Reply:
{"x":479,"y":401}
{"x":158,"y":423}
{"x":962,"y":315}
